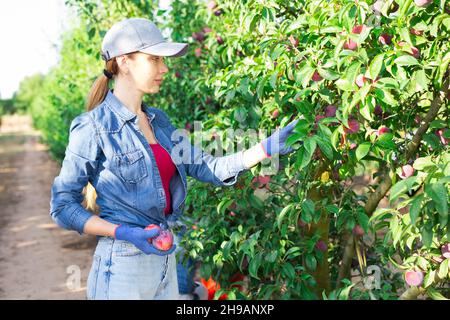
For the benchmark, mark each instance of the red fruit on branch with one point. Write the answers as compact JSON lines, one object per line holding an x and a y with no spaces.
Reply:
{"x":212,"y":5}
{"x":353,"y":146}
{"x":358,"y":231}
{"x":178,"y":74}
{"x":445,"y":250}
{"x":218,"y":13}
{"x":237,"y":277}
{"x":350,"y":45}
{"x":261,"y":180}
{"x":330,"y":111}
{"x":293,"y":41}
{"x":422,"y":3}
{"x":207,"y":30}
{"x":198,"y":52}
{"x":382,"y":130}
{"x":407,"y":171}
{"x":353,"y":126}
{"x":321,"y":246}
{"x":275,"y":113}
{"x":413,"y":51}
{"x":385,"y":39}
{"x":358,"y":29}
{"x":198,"y":36}
{"x":301,"y":223}
{"x":219,"y":40}
{"x":414,"y":278}
{"x":316,"y":77}
{"x":416,"y":32}
{"x":360,"y":80}
{"x":378,"y":111}
{"x":440,"y":134}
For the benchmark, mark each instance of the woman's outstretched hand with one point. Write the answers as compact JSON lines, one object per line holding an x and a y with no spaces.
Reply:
{"x":139,"y":237}
{"x":276,"y":143}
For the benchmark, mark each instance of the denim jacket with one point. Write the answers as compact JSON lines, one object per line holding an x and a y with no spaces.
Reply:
{"x":107,"y":148}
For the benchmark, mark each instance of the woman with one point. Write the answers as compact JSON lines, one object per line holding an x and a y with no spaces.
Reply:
{"x":130,"y":153}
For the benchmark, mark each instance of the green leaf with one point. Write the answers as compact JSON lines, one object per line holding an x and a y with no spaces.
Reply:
{"x":416,"y":206}
{"x":254,"y":265}
{"x":288,"y":270}
{"x":311,"y":262}
{"x":438,"y":193}
{"x":375,"y":66}
{"x":325,"y":146}
{"x":328,"y":74}
{"x":421,"y":80}
{"x":406,"y":60}
{"x":362,"y":150}
{"x":310,"y":145}
{"x":443,"y":269}
{"x":429,"y":278}
{"x":283,"y":214}
{"x":335,"y":139}
{"x":427,"y":234}
{"x":423,"y":163}
{"x":435,"y":295}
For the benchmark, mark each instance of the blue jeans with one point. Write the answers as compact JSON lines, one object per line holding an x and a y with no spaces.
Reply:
{"x":122,"y":271}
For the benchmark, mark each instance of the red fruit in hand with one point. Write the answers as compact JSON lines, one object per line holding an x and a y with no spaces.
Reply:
{"x":151,"y":227}
{"x":422,"y":3}
{"x":385,"y":39}
{"x":407,"y":171}
{"x":164,"y":241}
{"x":358,"y":230}
{"x":414,"y":278}
{"x":316,"y":76}
{"x":445,"y":250}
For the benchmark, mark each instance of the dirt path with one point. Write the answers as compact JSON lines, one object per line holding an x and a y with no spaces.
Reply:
{"x":38,"y":260}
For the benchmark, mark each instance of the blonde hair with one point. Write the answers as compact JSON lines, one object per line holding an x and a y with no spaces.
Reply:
{"x":96,"y":96}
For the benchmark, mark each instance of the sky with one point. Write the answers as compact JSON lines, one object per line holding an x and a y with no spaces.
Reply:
{"x":30,"y":34}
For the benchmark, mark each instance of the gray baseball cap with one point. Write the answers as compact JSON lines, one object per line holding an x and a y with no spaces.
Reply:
{"x":139,"y":34}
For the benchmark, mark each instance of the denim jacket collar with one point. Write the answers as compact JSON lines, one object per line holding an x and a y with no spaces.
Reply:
{"x":123,"y":112}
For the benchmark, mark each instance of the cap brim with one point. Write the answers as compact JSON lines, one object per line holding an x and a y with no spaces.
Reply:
{"x":167,"y":49}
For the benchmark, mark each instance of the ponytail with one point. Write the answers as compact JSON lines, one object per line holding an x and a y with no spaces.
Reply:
{"x":96,"y":96}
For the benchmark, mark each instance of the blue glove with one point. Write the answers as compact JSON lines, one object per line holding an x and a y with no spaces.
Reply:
{"x":276,"y":142}
{"x":139,"y":237}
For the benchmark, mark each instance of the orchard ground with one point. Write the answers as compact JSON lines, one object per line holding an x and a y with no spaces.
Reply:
{"x":38,"y":259}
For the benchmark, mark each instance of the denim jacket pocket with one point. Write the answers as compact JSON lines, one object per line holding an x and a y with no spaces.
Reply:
{"x":131,"y":166}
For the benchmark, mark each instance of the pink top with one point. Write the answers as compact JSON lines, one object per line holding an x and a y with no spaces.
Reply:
{"x":166,"y":169}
